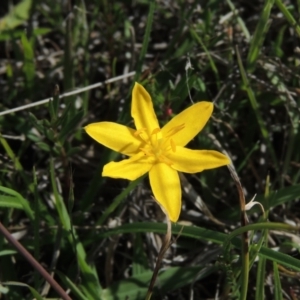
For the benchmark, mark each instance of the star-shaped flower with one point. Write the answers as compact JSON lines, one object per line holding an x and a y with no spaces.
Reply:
{"x":159,"y":151}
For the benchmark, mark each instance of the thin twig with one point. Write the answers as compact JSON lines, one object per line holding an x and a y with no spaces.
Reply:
{"x":68,"y":94}
{"x":34,"y":263}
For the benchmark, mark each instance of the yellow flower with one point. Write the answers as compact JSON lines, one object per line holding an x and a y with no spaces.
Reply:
{"x":159,"y":151}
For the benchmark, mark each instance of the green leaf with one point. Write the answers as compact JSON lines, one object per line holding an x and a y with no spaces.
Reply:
{"x":16,"y":34}
{"x":71,"y":125}
{"x":169,"y":280}
{"x":35,"y":122}
{"x":260,"y":279}
{"x":255,"y":106}
{"x":10,"y":202}
{"x":17,"y":16}
{"x":259,"y":35}
{"x":53,"y":105}
{"x":73,"y":287}
{"x":33,"y":291}
{"x":239,"y":20}
{"x":140,"y":261}
{"x":8,"y":252}
{"x":282,"y":196}
{"x":89,"y":275}
{"x":17,"y":201}
{"x":199,"y":233}
{"x":72,"y":151}
{"x":28,"y":64}
{"x":43,"y":146}
{"x":282,"y":6}
{"x":277,"y":283}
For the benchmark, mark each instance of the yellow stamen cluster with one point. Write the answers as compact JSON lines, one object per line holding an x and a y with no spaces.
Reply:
{"x":158,"y":146}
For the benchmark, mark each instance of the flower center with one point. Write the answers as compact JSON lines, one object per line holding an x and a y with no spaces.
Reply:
{"x":156,"y":145}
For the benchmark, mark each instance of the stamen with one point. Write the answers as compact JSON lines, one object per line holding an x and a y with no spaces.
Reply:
{"x":173,"y":145}
{"x":156,"y":130}
{"x":165,"y":160}
{"x":156,"y":137}
{"x":175,"y":129}
{"x":147,"y":152}
{"x":142,"y":134}
{"x":139,"y":131}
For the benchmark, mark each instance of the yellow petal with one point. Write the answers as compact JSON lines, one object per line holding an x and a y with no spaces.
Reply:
{"x":166,"y":188}
{"x":142,"y":109}
{"x":193,"y":161}
{"x":131,"y":169}
{"x":114,"y":136}
{"x":194,"y":119}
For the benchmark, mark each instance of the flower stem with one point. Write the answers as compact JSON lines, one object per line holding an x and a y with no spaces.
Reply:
{"x":163,"y":249}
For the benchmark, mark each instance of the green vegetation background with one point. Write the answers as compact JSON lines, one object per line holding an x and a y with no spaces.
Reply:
{"x":100,"y":237}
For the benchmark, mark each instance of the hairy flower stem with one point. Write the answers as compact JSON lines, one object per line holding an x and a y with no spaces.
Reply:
{"x":34,"y":263}
{"x":165,"y":246}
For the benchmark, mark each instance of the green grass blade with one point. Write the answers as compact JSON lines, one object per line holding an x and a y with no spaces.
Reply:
{"x":145,"y":40}
{"x":10,"y":202}
{"x":261,"y":268}
{"x":260,"y":279}
{"x":11,"y":153}
{"x":29,"y":65}
{"x":198,"y":39}
{"x":89,"y":274}
{"x":255,"y":107}
{"x":15,"y":200}
{"x":33,"y":291}
{"x":259,"y":34}
{"x":36,"y":225}
{"x":288,"y":16}
{"x":199,"y":233}
{"x":96,"y":182}
{"x":18,"y":166}
{"x":171,"y":279}
{"x":280,"y":258}
{"x":139,"y":259}
{"x":240,"y":20}
{"x":117,"y":200}
{"x":282,"y":196}
{"x":277,"y":283}
{"x":72,"y":286}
